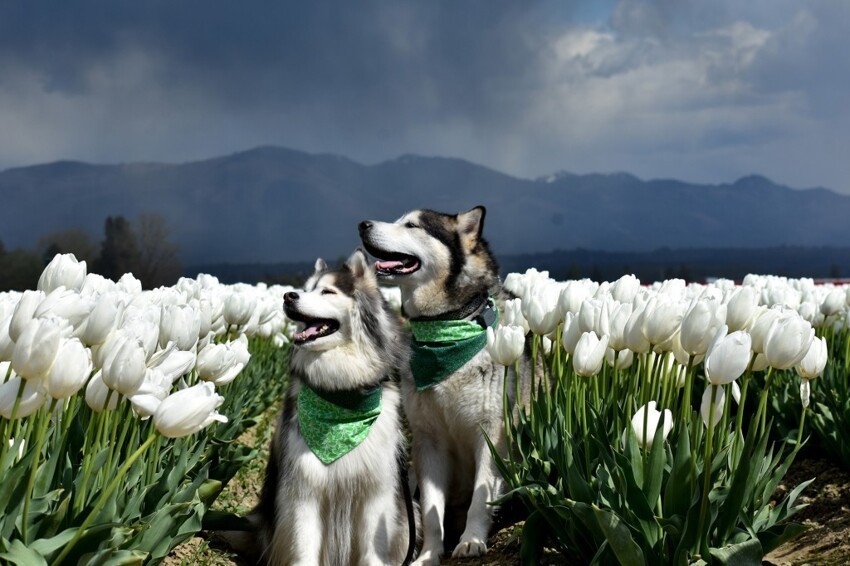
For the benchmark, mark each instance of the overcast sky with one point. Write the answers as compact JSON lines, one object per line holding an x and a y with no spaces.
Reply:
{"x":696,"y":90}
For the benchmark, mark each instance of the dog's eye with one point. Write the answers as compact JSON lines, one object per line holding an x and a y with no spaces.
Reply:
{"x":328,"y":292}
{"x":410,"y":225}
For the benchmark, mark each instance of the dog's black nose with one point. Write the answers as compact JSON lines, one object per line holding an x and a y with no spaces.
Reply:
{"x":364,"y":226}
{"x":290,"y":297}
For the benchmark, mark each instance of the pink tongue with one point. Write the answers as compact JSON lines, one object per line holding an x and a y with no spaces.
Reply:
{"x":307,"y":332}
{"x":390,"y":264}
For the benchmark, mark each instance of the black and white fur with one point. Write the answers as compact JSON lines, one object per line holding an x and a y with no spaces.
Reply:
{"x":351,"y":511}
{"x":442,"y":264}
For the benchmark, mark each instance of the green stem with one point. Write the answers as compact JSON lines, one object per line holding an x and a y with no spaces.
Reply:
{"x":104,"y":497}
{"x":7,"y":435}
{"x":761,"y":414}
{"x":706,"y":471}
{"x":39,"y":441}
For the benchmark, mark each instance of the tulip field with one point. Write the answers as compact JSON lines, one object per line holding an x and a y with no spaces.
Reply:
{"x":119,"y":408}
{"x":662,"y":420}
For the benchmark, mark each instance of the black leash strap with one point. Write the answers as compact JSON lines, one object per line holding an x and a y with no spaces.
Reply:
{"x":411,"y":516}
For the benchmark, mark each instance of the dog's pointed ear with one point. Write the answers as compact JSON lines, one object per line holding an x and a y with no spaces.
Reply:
{"x":320,"y":266}
{"x":470,"y":224}
{"x":360,"y":267}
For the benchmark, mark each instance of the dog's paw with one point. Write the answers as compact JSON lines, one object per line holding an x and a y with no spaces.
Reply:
{"x":427,"y":558}
{"x":467,"y":548}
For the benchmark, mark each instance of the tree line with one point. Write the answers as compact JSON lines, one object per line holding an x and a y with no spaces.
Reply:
{"x":142,"y":247}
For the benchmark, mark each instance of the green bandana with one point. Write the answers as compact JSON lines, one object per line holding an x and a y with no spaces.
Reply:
{"x":441,"y":347}
{"x":334,"y":423}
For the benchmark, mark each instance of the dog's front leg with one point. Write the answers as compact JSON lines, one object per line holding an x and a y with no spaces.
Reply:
{"x":479,"y":516}
{"x":379,"y":525}
{"x":298,"y":537}
{"x":431,"y":461}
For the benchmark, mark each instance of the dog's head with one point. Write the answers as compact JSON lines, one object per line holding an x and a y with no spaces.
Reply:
{"x":423,"y":248}
{"x":346,"y":332}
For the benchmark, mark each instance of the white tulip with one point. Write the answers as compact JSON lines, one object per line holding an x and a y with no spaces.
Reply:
{"x":589,"y":354}
{"x":154,"y":389}
{"x":814,"y":362}
{"x":809,"y":312}
{"x":625,"y":288}
{"x":240,"y":348}
{"x":512,"y":315}
{"x":653,"y":418}
{"x":505,"y":344}
{"x":172,"y":363}
{"x":36,"y":348}
{"x":761,"y":324}
{"x":623,"y":359}
{"x":6,"y":344}
{"x":700,"y":324}
{"x":63,"y":271}
{"x":24,"y":313}
{"x":833,"y":303}
{"x":788,"y":341}
{"x":144,"y":329}
{"x":32,"y":399}
{"x":742,"y":308}
{"x":633,"y":333}
{"x":97,"y":393}
{"x":618,"y":317}
{"x":571,"y":297}
{"x":181,"y":325}
{"x":217,"y":364}
{"x":728,"y":357}
{"x":571,"y":333}
{"x":67,"y":304}
{"x":71,"y":370}
{"x":129,"y":284}
{"x":105,"y":316}
{"x":124,"y":363}
{"x":540,"y":308}
{"x":662,"y":316}
{"x":238,"y":308}
{"x":188,"y":411}
{"x":589,"y":314}
{"x":719,"y":404}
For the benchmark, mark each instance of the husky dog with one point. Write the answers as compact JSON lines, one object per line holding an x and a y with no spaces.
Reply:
{"x":339,"y":499}
{"x":446,"y":272}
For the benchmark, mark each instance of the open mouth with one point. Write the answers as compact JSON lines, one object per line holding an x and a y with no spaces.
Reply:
{"x":393,"y":263}
{"x":314,"y":328}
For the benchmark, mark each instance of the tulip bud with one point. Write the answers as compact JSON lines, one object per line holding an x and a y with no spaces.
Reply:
{"x":124,"y":363}
{"x":623,"y":359}
{"x":67,"y":304}
{"x":662,"y":316}
{"x":71,"y":371}
{"x":741,"y":309}
{"x":63,"y":271}
{"x":512,"y":315}
{"x":97,"y":393}
{"x":625,"y":288}
{"x":172,"y":363}
{"x":104,"y":317}
{"x":788,"y":341}
{"x":6,"y":344}
{"x":589,"y":354}
{"x":36,"y":348}
{"x":571,"y":333}
{"x":618,"y":318}
{"x":217,"y":364}
{"x":181,"y":325}
{"x":505,"y":344}
{"x":761,"y":324}
{"x":653,"y":418}
{"x":188,"y":411}
{"x":238,"y":308}
{"x":154,"y":389}
{"x":540,"y":308}
{"x":634,"y":338}
{"x":814,"y":362}
{"x":24,"y":313}
{"x":833,"y":303}
{"x":728,"y":358}
{"x":32,"y":399}
{"x":700,"y":324}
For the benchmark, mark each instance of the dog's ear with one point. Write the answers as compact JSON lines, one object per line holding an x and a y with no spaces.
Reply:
{"x":320,"y":266}
{"x":360,"y":267}
{"x":470,"y":224}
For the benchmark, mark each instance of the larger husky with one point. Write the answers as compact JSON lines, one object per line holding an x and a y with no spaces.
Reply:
{"x":447,"y":274}
{"x":333,"y":493}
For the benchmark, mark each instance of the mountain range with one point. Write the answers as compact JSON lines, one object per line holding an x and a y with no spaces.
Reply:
{"x":272,"y":204}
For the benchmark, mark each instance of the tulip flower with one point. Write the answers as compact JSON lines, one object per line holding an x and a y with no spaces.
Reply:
{"x":36,"y":348}
{"x":589,"y":354}
{"x":625,"y":288}
{"x":653,"y":418}
{"x":67,"y":304}
{"x":505,"y":344}
{"x":24,"y":313}
{"x":761,"y":324}
{"x":63,"y":271}
{"x":181,"y":325}
{"x":728,"y":357}
{"x":6,"y":344}
{"x":742,"y":308}
{"x":833,"y":303}
{"x":124,"y":363}
{"x":571,"y":333}
{"x":172,"y":363}
{"x":153,"y":391}
{"x":217,"y":364}
{"x":633,"y":335}
{"x":540,"y":308}
{"x":805,"y":393}
{"x":97,"y":393}
{"x":146,"y":330}
{"x":719,"y":404}
{"x":188,"y":411}
{"x":238,"y":308}
{"x":71,"y":370}
{"x":621,"y":360}
{"x":512,"y":315}
{"x":32,"y":399}
{"x":105,"y":316}
{"x":699,"y":325}
{"x":618,"y":317}
{"x":572,"y":296}
{"x":814,"y":362}
{"x":589,"y":314}
{"x":788,"y":341}
{"x":662,"y":316}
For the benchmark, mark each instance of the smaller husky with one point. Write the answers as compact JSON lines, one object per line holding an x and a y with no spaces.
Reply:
{"x":335,"y":492}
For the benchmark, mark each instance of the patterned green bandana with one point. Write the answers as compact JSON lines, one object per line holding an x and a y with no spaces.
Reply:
{"x":441,"y":347}
{"x":333,"y":424}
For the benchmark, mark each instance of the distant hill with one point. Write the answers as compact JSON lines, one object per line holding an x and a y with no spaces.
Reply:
{"x":272,"y":204}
